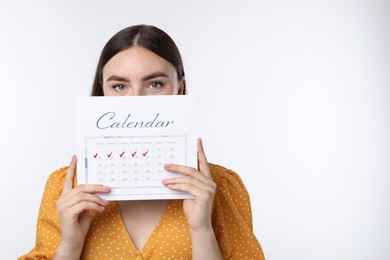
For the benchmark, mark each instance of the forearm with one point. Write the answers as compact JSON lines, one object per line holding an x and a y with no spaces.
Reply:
{"x":204,"y":245}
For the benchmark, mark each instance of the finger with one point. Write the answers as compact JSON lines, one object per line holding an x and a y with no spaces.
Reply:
{"x":69,"y":178}
{"x":180,"y":169}
{"x":185,"y":170}
{"x":188,"y":171}
{"x":77,"y":209}
{"x":85,"y":188}
{"x":193,"y":190}
{"x":205,"y":184}
{"x":203,"y":164}
{"x":82,"y":196}
{"x":92,"y":188}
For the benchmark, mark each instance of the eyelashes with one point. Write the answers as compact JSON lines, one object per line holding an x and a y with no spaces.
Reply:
{"x":119,"y":87}
{"x":155,"y":85}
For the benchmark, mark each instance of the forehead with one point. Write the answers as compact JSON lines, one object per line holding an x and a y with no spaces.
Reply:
{"x":137,"y":60}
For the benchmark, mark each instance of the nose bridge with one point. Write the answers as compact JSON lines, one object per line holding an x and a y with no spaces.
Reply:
{"x":138,"y":90}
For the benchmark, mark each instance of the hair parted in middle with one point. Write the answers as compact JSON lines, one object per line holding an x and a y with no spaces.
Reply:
{"x":145,"y":36}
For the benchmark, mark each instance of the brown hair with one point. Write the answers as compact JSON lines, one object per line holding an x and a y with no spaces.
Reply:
{"x":146,"y":36}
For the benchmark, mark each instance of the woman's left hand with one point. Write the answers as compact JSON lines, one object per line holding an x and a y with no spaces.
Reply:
{"x":200,"y":185}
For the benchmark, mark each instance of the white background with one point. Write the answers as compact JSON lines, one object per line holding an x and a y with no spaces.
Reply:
{"x":294,"y":97}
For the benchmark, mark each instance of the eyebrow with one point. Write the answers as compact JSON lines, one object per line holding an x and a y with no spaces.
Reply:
{"x":154,"y":75}
{"x":117,"y":78}
{"x":145,"y":78}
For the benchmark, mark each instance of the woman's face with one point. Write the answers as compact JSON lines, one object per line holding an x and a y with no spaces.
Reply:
{"x":137,"y":71}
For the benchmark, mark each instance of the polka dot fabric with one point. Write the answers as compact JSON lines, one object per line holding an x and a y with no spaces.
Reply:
{"x":108,"y":238}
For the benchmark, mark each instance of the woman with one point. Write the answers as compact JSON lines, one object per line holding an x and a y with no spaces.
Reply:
{"x":75,"y":223}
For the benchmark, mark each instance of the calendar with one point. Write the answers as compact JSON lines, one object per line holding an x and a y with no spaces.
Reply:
{"x":131,"y":161}
{"x":125,"y":141}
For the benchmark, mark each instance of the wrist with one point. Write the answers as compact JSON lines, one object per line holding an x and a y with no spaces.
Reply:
{"x":66,"y":251}
{"x":204,"y":244}
{"x":202,"y":229}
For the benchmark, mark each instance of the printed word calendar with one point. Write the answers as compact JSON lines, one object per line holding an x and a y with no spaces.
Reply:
{"x":123,"y":143}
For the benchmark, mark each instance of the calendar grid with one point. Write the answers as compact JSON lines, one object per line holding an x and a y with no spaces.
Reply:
{"x":132,"y":161}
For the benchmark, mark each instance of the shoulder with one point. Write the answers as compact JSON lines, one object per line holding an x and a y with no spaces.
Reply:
{"x":224,"y":177}
{"x":55,"y":182}
{"x":57,"y":177}
{"x":231,"y":206}
{"x":230,"y":188}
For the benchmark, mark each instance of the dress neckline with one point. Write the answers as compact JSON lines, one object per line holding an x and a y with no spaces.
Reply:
{"x":152,"y":234}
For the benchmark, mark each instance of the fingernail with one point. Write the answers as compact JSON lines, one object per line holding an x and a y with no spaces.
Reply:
{"x":105,"y":187}
{"x":101,"y":207}
{"x":105,"y":201}
{"x":164,"y":180}
{"x":167,"y":166}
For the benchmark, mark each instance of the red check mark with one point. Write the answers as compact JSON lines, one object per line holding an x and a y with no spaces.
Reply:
{"x":109,"y":155}
{"x":145,"y":153}
{"x":121,"y":154}
{"x":133,"y":154}
{"x":95,"y":155}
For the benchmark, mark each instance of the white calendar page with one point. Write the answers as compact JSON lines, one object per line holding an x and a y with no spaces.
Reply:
{"x":123,"y":143}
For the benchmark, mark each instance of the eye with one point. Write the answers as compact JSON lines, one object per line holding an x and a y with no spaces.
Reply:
{"x":119,"y":87}
{"x":156,"y":85}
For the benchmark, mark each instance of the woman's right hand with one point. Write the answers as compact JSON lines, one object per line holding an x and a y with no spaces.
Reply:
{"x":73,"y":207}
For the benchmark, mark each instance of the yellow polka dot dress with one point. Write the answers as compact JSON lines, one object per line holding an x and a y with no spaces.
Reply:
{"x":108,"y":238}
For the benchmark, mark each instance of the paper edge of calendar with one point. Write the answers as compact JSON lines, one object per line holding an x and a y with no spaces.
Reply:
{"x":88,"y":109}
